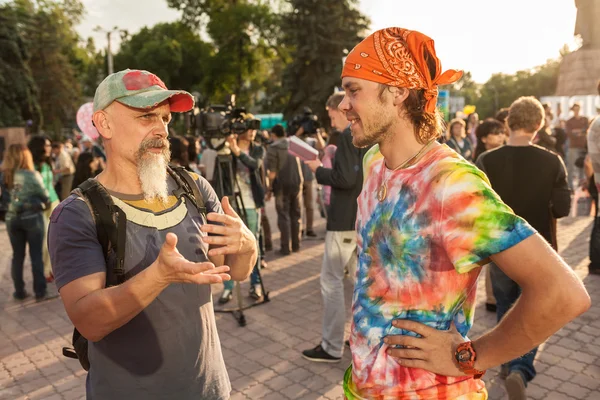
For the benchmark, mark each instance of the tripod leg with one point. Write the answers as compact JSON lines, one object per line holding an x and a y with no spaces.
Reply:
{"x":240,"y":313}
{"x":262,"y":284}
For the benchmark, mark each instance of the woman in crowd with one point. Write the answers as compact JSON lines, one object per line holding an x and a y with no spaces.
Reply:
{"x":41,"y":149}
{"x":179,"y":152}
{"x":490,"y":134}
{"x":471,"y":124}
{"x":87,"y":167}
{"x":194,"y":151}
{"x":25,"y":218}
{"x":457,"y":140}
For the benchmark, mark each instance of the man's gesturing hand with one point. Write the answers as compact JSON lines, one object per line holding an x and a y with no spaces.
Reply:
{"x":173,"y":267}
{"x":234,"y":237}
{"x":434,"y":351}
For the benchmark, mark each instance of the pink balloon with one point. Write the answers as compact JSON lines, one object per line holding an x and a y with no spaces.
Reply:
{"x":84,"y":121}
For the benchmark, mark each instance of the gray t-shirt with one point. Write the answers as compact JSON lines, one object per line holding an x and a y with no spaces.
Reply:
{"x":170,"y":350}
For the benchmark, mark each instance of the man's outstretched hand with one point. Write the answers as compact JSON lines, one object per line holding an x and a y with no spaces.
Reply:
{"x":172,"y":267}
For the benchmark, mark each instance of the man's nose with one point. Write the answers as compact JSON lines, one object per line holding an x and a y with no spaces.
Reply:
{"x":344,"y":105}
{"x":162,"y":132}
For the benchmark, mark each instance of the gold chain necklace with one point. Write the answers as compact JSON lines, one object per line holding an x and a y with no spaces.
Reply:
{"x":383,"y":190}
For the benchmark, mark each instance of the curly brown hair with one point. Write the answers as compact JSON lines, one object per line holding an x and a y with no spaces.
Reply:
{"x":526,"y":113}
{"x":428,"y":126}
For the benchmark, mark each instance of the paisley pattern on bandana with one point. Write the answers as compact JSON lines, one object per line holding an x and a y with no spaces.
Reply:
{"x":420,"y":253}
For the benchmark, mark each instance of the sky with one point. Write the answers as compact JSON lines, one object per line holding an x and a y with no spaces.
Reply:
{"x":480,"y":36}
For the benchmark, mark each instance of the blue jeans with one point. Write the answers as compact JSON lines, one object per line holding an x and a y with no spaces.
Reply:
{"x":507,"y":292}
{"x":23,"y":230}
{"x":253,"y":223}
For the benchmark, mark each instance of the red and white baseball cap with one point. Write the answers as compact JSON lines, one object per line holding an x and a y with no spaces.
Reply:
{"x":139,"y":89}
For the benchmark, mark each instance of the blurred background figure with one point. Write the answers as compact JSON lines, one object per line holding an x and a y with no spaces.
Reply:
{"x":25,"y":218}
{"x":490,"y":134}
{"x":87,"y":167}
{"x":576,"y":129}
{"x":180,"y":152}
{"x":458,"y":141}
{"x":41,"y":150}
{"x":471,"y":125}
{"x":64,"y":170}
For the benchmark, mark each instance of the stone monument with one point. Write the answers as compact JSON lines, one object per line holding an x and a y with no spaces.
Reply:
{"x":580,"y":70}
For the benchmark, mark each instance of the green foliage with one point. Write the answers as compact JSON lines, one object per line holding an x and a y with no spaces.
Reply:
{"x":48,"y":31}
{"x":18,"y":93}
{"x":245,"y":35}
{"x":502,"y":89}
{"x":170,"y":50}
{"x":90,"y":67}
{"x":318,"y":34}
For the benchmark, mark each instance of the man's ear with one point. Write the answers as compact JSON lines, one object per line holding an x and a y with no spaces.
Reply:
{"x":101,"y":122}
{"x":399,"y":94}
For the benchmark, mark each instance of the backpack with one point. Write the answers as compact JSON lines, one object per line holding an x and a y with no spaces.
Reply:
{"x":111,"y":228}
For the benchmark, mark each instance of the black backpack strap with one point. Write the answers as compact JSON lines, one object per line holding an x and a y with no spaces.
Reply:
{"x":187,"y":187}
{"x":111,"y":224}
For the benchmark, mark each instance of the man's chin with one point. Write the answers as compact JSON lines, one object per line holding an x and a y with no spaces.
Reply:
{"x":361,"y":141}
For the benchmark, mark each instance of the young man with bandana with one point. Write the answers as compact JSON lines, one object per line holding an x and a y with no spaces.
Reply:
{"x":427,"y":221}
{"x":154,"y":336}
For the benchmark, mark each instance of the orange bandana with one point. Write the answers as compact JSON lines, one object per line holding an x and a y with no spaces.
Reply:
{"x":396,"y":57}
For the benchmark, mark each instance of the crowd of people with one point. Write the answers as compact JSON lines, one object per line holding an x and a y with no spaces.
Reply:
{"x":34,"y":179}
{"x":414,"y":211}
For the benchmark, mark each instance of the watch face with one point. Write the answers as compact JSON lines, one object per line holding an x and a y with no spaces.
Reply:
{"x":464,"y":356}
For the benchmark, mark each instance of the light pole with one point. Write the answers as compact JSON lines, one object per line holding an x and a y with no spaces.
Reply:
{"x":109,"y":56}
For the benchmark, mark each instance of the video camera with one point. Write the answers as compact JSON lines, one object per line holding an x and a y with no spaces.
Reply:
{"x":307,"y":120}
{"x":219,"y":121}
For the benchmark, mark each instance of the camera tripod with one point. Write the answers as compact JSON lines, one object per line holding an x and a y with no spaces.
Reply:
{"x":226,"y":184}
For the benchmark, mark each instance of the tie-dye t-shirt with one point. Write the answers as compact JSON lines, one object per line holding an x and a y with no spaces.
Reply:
{"x":420,"y":253}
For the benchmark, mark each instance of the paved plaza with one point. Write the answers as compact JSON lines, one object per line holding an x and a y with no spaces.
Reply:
{"x":264,"y":358}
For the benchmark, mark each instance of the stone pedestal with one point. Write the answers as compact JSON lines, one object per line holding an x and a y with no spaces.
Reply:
{"x":579,"y":73}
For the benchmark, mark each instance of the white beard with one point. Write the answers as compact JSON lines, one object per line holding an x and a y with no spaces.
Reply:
{"x":152,"y":173}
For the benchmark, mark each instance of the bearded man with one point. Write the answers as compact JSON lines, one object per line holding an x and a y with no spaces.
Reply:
{"x":427,"y":221}
{"x":153,"y":336}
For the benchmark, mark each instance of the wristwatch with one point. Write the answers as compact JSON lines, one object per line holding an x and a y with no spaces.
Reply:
{"x":465,"y":357}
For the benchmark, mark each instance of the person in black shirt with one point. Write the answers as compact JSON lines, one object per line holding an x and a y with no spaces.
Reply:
{"x":533,"y":182}
{"x":345,"y":179}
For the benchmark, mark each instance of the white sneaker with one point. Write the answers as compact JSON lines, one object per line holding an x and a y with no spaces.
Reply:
{"x":256,"y":291}
{"x":226,"y":296}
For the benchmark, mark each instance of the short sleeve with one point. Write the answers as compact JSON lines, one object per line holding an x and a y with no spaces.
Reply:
{"x":211,"y":200}
{"x":73,"y":243}
{"x":475,"y":224}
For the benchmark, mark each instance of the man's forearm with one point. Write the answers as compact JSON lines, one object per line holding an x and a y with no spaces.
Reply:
{"x":534,"y":318}
{"x":102,"y":311}
{"x":241,"y":265}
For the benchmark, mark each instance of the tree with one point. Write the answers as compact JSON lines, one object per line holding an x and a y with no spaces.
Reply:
{"x":18,"y":93}
{"x":318,"y":35}
{"x":245,"y":37}
{"x":172,"y":51}
{"x":48,"y":28}
{"x":502,"y":89}
{"x":90,"y":67}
